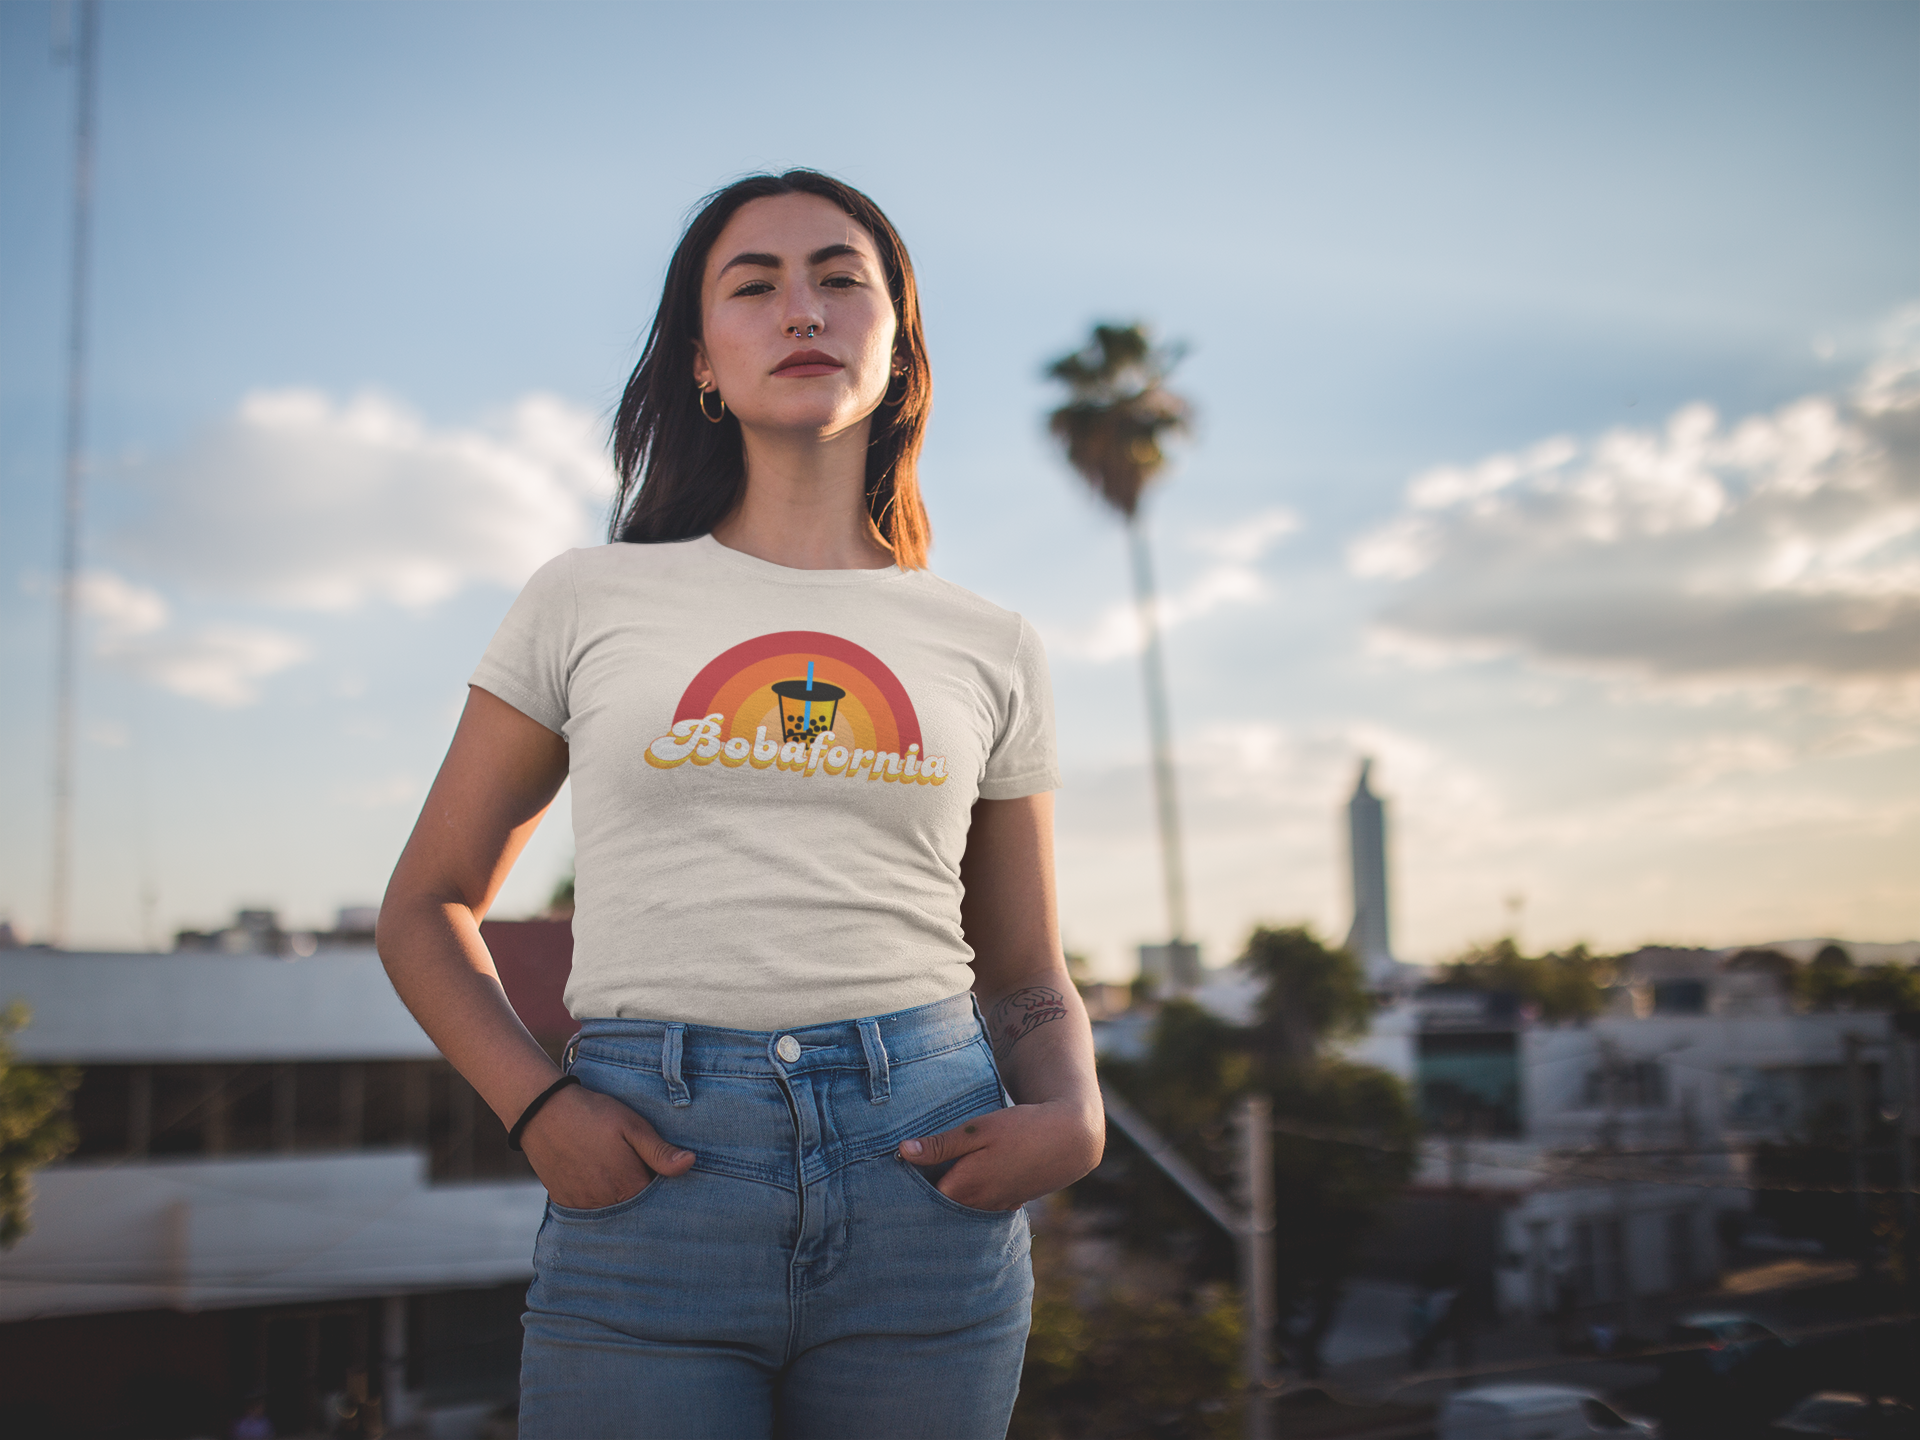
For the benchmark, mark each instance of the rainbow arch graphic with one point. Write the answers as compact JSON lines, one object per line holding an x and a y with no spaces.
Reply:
{"x":872,"y":712}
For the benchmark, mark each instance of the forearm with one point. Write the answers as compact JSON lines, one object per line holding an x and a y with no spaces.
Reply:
{"x":1056,"y":1129}
{"x":440,"y":966}
{"x":1042,"y":1041}
{"x":500,"y":774}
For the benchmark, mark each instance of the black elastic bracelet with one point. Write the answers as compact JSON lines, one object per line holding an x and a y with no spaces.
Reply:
{"x":533,"y":1108}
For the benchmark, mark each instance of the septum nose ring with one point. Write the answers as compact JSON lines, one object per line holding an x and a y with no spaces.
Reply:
{"x":794,"y":331}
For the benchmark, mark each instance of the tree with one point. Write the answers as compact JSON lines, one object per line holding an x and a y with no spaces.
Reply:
{"x":1353,"y":1152}
{"x":1345,"y":1133}
{"x":1828,"y":978}
{"x":1310,"y":994}
{"x":1833,"y":981}
{"x":34,"y":1128}
{"x":1112,"y":426}
{"x":1564,"y":984}
{"x":1102,"y":1364}
{"x":1195,"y":1067}
{"x":1886,"y":986}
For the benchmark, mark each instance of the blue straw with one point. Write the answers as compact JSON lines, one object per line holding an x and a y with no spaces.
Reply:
{"x":806,"y":717}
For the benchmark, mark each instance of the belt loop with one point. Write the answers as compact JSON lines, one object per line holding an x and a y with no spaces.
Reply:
{"x":670,"y":1048}
{"x":568,"y":1055}
{"x":879,"y":1084}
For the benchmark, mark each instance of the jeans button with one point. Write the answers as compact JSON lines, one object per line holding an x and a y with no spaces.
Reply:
{"x":787,"y":1048}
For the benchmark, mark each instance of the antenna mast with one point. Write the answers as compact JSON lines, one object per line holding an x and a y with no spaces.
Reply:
{"x":85,"y":44}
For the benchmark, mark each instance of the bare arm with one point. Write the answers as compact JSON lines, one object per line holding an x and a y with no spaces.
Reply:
{"x":500,"y":775}
{"x":1041,"y":1038}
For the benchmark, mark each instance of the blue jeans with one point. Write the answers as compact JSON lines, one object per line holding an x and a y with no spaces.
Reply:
{"x":801,"y":1280}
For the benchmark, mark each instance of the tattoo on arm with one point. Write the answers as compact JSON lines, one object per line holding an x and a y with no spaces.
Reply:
{"x":1021,"y":1013}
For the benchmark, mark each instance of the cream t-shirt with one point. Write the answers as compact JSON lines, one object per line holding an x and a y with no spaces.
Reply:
{"x":773,"y":772}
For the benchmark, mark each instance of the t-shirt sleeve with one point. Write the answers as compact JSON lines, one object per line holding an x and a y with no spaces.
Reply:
{"x":1023,"y":760}
{"x":531,"y":654}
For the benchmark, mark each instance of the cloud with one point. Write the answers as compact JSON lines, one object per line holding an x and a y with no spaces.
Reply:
{"x":309,"y":504}
{"x":1247,"y":541}
{"x":218,"y":663}
{"x":1702,"y":759}
{"x":1231,"y":579}
{"x":1781,"y":547}
{"x":122,"y":610}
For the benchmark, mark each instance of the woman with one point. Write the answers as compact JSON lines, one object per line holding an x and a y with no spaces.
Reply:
{"x":814,"y":887}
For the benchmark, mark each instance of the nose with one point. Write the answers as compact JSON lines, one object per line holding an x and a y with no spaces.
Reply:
{"x":804,"y":320}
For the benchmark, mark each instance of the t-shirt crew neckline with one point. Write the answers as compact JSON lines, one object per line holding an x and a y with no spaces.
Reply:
{"x":711,"y":549}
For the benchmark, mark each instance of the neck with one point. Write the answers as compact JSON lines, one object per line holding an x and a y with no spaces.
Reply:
{"x":805,"y":503}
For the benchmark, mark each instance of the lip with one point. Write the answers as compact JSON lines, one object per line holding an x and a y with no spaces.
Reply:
{"x":808,"y":362}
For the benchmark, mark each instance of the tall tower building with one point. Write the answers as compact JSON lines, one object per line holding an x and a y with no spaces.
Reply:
{"x":1367,"y":837}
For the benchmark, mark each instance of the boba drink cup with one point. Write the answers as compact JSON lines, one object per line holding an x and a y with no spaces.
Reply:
{"x":807,"y":707}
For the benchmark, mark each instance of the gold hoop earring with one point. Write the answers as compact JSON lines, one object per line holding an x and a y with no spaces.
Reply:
{"x":890,"y":401}
{"x":700,"y":399}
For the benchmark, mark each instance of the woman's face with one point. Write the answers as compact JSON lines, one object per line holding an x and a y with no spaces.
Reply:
{"x":785,"y":265}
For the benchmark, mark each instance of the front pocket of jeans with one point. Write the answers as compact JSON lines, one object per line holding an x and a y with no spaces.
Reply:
{"x":604,"y":1212}
{"x":603,"y":1076}
{"x":934,"y":1192}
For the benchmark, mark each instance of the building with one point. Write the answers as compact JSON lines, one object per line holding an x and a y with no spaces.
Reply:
{"x":1370,"y":937}
{"x":1601,"y":1163}
{"x":280,"y":1188}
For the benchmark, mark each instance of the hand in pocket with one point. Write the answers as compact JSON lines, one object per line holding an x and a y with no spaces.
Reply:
{"x":590,"y":1151}
{"x":1004,"y":1159}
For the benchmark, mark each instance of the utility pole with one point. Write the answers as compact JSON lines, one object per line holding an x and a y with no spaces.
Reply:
{"x":1613,"y":1075}
{"x":1255,"y":1126}
{"x":85,"y":51}
{"x":1901,"y":1093}
{"x":1462,"y":1313}
{"x":1857,"y":1152}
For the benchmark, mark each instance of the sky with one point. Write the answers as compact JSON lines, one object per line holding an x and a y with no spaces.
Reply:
{"x":1556,"y":372}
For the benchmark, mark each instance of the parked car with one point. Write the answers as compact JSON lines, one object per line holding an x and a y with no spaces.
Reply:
{"x":1729,"y":1367}
{"x":1722,"y":1347}
{"x":1842,"y":1415}
{"x":1535,"y":1412}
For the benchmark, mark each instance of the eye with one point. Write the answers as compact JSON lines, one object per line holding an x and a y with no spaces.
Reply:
{"x":841,"y":282}
{"x":754,"y":287}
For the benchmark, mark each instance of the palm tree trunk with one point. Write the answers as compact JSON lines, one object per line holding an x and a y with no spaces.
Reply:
{"x":1154,"y":673}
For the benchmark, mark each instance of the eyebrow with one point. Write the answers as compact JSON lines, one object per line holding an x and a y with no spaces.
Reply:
{"x":764,"y":261}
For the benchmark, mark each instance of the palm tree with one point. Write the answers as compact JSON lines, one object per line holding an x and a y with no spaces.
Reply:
{"x":1111,"y":427}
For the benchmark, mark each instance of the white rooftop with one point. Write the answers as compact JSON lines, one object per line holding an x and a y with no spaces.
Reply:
{"x":152,"y":1008}
{"x":210,"y":1232}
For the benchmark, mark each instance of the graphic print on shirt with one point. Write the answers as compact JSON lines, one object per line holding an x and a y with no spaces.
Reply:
{"x":801,"y":702}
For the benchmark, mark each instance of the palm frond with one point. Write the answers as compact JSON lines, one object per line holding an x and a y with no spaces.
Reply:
{"x":1120,"y":410}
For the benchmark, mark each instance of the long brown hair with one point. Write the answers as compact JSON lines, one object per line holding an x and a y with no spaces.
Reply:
{"x":679,"y":475}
